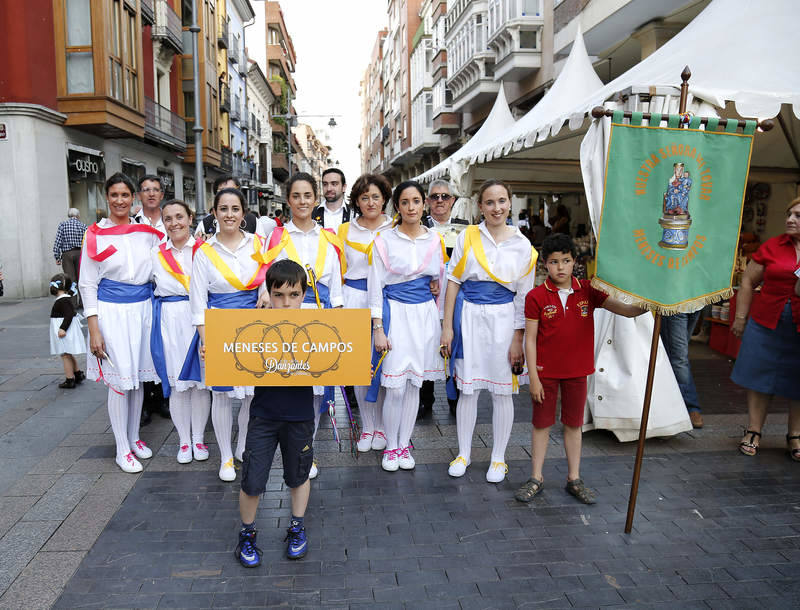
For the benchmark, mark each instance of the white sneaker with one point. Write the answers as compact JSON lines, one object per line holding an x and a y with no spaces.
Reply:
{"x":239,"y":456}
{"x":141,"y":450}
{"x":378,"y":441}
{"x":405,"y":460}
{"x":200,"y":452}
{"x":458,"y":467}
{"x":389,"y":462}
{"x":227,"y":472}
{"x":365,"y":442}
{"x":184,"y":454}
{"x":497,"y":472}
{"x":312,"y":474}
{"x":128,"y":463}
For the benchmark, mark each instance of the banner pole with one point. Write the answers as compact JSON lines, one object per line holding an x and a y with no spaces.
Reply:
{"x":651,"y":367}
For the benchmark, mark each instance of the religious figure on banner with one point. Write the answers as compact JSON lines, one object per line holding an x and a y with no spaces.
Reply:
{"x":675,"y":220}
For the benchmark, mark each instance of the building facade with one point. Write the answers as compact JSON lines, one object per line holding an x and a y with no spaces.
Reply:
{"x":260,"y":100}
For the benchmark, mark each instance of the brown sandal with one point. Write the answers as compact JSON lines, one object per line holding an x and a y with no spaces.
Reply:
{"x":793,"y":453}
{"x":580,"y":491}
{"x":528,"y":490}
{"x":749,"y":447}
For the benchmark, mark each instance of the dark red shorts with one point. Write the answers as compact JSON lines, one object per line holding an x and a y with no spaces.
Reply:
{"x":573,"y":402}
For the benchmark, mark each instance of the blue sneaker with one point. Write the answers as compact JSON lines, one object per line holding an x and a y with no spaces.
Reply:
{"x":298,"y":543}
{"x":248,"y":554}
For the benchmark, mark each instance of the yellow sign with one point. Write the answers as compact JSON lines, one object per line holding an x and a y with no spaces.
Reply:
{"x":285,"y":347}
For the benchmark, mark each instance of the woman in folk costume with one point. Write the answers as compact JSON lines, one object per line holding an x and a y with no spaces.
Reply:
{"x":116,"y":290}
{"x":308,"y":244}
{"x":484,"y":323}
{"x":407,"y":268}
{"x":225,"y":275}
{"x":172,"y":330}
{"x":369,"y":194}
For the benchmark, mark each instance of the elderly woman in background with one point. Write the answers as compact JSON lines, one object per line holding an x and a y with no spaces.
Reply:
{"x":769,"y":358}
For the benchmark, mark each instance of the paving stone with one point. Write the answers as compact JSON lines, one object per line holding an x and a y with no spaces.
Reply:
{"x":602,"y":597}
{"x":12,"y":509}
{"x":186,"y":600}
{"x":20,"y":545}
{"x":81,"y":528}
{"x":61,"y":498}
{"x":702,"y":591}
{"x":41,"y":582}
{"x":31,"y":485}
{"x":58,"y":461}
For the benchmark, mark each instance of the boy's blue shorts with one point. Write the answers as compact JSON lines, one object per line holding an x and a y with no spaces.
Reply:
{"x":263,"y":437}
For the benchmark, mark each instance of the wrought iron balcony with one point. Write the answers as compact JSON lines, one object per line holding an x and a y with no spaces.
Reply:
{"x":224,"y":98}
{"x":238,"y":166}
{"x":244,"y":64}
{"x":233,"y":51}
{"x":222,"y":35}
{"x":148,"y":16}
{"x":164,"y":126}
{"x":168,"y":26}
{"x":226,"y":162}
{"x":236,"y":109}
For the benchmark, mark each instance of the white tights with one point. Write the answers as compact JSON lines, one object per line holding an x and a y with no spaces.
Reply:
{"x":371,"y":412}
{"x":502,"y":420}
{"x":222,"y":418}
{"x":400,"y":414}
{"x":189,"y":410}
{"x":125,"y":411}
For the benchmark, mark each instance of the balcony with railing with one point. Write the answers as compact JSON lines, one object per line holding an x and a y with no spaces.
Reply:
{"x":238,"y":166}
{"x":148,"y":15}
{"x":168,"y":28}
{"x":233,"y":51}
{"x":224,"y":98}
{"x":515,"y":30}
{"x":244,"y":65}
{"x":226,"y":162}
{"x":164,"y":126}
{"x":222,"y":35}
{"x":470,"y":62}
{"x":236,"y":109}
{"x":280,"y":166}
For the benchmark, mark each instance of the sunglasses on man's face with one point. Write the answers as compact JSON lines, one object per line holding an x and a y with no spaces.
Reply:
{"x":440,"y":196}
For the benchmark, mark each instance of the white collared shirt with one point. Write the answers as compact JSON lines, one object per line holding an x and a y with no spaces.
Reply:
{"x":265,"y":226}
{"x":333,"y":219}
{"x":166,"y":284}
{"x":130,"y":263}
{"x":357,"y":263}
{"x":508,"y":259}
{"x":405,"y":256}
{"x":207,"y":278}
{"x":306,"y":244}
{"x":142,"y":219}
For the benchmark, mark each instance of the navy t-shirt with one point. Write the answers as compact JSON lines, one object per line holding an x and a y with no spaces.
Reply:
{"x":283,"y":403}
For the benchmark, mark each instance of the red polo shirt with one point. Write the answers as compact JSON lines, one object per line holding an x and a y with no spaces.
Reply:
{"x":565,"y":339}
{"x":778,"y":257}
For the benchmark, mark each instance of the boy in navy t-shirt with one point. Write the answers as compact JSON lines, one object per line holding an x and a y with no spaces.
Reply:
{"x":278,"y":416}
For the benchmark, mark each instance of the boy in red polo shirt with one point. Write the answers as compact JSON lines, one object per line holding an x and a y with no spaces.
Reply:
{"x":559,"y":349}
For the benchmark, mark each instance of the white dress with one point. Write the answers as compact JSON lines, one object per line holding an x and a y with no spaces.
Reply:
{"x":487,"y":330}
{"x":177,"y":330}
{"x":125,"y":326}
{"x":307,"y":246}
{"x":206,"y":279}
{"x":73,"y":342}
{"x":415,"y":328}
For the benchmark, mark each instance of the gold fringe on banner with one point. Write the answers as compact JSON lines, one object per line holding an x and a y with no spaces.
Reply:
{"x":664,"y":310}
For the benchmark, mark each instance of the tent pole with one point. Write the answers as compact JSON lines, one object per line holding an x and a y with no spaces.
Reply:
{"x":651,"y":367}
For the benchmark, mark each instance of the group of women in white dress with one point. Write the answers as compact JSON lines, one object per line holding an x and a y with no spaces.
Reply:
{"x":145,"y":296}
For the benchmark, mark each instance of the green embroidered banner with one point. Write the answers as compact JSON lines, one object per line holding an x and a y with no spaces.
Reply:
{"x":672,"y":207}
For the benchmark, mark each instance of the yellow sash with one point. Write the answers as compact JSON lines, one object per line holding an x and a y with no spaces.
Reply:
{"x":344,"y":230}
{"x":285,"y":243}
{"x":183,"y":278}
{"x":472,"y":241}
{"x":226,"y":272}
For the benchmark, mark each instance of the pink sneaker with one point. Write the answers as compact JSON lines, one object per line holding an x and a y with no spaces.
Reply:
{"x":200,"y":452}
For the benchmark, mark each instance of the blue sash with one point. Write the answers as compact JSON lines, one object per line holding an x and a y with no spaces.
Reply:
{"x":241,"y":299}
{"x":120,"y":292}
{"x":324,"y":296}
{"x":479,"y":293}
{"x":157,"y":340}
{"x":359,"y":284}
{"x":328,"y":394}
{"x":413,"y":291}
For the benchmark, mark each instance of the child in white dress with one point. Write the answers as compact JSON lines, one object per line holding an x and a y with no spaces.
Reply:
{"x":66,"y":337}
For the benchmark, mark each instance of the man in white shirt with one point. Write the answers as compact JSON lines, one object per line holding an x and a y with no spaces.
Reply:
{"x":151,"y":193}
{"x":334,"y":211}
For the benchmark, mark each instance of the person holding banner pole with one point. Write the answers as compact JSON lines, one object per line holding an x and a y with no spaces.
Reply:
{"x":769,"y":357}
{"x":116,"y":290}
{"x":491,"y":272}
{"x":407,"y":266}
{"x":225,"y":275}
{"x":308,"y":244}
{"x":369,"y":195}
{"x":172,"y":330}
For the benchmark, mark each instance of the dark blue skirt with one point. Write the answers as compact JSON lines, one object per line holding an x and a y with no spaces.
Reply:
{"x":769,"y":360}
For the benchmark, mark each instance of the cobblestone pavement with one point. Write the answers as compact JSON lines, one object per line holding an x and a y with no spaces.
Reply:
{"x":713,"y":528}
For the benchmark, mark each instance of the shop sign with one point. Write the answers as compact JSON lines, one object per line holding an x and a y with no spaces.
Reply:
{"x":84,"y":166}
